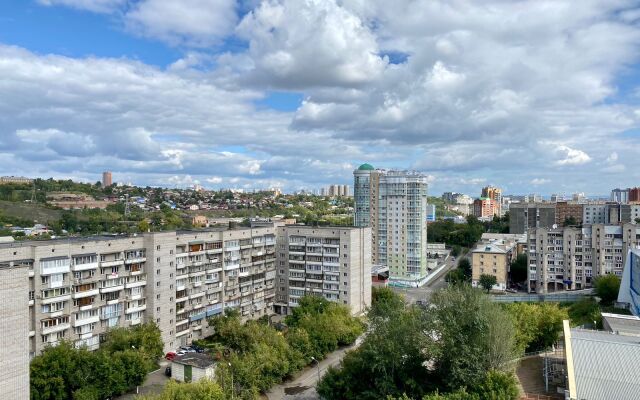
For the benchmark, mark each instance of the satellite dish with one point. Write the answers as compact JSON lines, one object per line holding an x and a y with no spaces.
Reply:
{"x":555,"y":226}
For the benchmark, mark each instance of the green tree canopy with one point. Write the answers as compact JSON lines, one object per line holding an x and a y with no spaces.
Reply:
{"x":607,"y":288}
{"x":487,"y":281}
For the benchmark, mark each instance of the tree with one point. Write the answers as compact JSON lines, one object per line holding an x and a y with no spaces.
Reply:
{"x":143,"y":226}
{"x":456,"y":250}
{"x":474,"y":337}
{"x":518,"y":270}
{"x":607,"y":288}
{"x":204,"y":389}
{"x":487,"y":281}
{"x":637,"y":220}
{"x":465,"y":266}
{"x":570,"y":221}
{"x":538,"y":325}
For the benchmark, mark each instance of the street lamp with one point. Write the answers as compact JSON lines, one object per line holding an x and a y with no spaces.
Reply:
{"x":232,"y":388}
{"x":317,"y":366}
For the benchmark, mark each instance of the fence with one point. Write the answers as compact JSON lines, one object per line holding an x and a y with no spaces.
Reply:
{"x":564,"y":297}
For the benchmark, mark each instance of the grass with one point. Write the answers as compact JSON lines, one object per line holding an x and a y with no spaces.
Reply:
{"x":35,"y":212}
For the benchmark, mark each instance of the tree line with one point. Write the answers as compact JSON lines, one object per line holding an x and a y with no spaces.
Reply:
{"x":121,"y":363}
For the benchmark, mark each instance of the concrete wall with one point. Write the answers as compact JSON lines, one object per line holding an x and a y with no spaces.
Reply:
{"x":14,"y":333}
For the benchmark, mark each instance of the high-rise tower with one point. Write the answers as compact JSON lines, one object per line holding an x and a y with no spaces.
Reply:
{"x":394,"y":205}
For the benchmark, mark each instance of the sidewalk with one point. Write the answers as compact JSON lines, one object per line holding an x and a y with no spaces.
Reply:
{"x":302,"y":386}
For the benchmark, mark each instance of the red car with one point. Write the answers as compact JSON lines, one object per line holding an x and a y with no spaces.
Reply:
{"x":170,"y":355}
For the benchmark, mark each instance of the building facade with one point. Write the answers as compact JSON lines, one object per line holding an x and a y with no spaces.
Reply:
{"x":14,"y":330}
{"x":494,"y":194}
{"x":106,"y":179}
{"x":331,"y":262}
{"x":569,"y":212}
{"x":620,"y":195}
{"x":570,"y":258}
{"x":394,"y":205}
{"x":524,"y":216}
{"x":492,"y":259}
{"x":485,"y":207}
{"x":79,"y":288}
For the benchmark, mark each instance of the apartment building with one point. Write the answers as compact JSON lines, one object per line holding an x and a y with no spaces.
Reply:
{"x":570,"y":258}
{"x":493,"y":256}
{"x":485,"y":207}
{"x":394,"y":205}
{"x":78,"y":288}
{"x":620,"y":195}
{"x":494,"y":194}
{"x":14,"y":330}
{"x":524,"y":216}
{"x":566,"y":211}
{"x":331,"y":262}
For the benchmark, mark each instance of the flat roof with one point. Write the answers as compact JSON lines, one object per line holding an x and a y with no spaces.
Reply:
{"x":605,"y":365}
{"x":623,"y":324}
{"x":199,"y":360}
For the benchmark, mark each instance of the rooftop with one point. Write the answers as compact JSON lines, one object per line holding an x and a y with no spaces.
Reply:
{"x":366,"y":167}
{"x":199,"y":360}
{"x":605,"y":365}
{"x":628,"y":325}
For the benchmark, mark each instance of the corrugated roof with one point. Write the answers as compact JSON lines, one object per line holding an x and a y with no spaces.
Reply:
{"x":605,"y":365}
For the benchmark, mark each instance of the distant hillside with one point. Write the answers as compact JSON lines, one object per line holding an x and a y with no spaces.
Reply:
{"x":31,"y":212}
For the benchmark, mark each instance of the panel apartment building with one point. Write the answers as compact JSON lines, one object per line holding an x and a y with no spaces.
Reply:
{"x":76,"y":289}
{"x":570,"y":257}
{"x":332,"y":262}
{"x":394,"y":205}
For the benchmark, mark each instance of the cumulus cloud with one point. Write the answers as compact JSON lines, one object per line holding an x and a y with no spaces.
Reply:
{"x":572,"y":156}
{"x":309,"y":43}
{"x":192,"y":22}
{"x":539,"y":181}
{"x":100,"y":6}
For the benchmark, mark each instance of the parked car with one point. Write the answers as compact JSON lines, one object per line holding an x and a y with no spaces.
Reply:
{"x":167,"y":371}
{"x":181,"y":352}
{"x":198,"y":349}
{"x":188,"y":349}
{"x":170,"y":355}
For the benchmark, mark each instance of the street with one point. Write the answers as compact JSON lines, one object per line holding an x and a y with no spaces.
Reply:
{"x":302,"y":387}
{"x":424,"y":292}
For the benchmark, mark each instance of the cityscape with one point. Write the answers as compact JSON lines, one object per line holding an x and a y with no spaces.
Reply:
{"x":319,"y":200}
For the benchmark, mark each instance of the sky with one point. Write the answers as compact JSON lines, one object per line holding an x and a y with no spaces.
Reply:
{"x":532,"y":96}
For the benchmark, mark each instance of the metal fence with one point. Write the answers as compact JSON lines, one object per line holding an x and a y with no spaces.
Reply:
{"x":564,"y":297}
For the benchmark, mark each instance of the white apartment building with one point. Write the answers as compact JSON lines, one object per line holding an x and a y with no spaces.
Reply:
{"x":331,"y":262}
{"x":394,"y":205}
{"x":78,"y":288}
{"x":570,"y":258}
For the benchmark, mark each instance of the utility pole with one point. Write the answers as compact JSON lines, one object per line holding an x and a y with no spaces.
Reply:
{"x":126,"y":207}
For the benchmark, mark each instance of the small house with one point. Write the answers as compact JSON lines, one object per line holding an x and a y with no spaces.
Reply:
{"x":192,"y":367}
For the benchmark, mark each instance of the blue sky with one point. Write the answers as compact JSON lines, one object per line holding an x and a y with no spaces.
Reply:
{"x":531,"y":96}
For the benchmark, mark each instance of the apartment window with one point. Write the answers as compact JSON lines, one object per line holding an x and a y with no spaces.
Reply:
{"x":170,"y":251}
{"x":157,"y":284}
{"x":171,"y":263}
{"x":158,"y":297}
{"x":158,"y":247}
{"x":158,"y":259}
{"x":158,"y":321}
{"x":157,"y":272}
{"x":157,"y":309}
{"x":345,"y":274}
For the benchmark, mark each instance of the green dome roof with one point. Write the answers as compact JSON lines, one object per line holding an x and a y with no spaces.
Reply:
{"x":366,"y":167}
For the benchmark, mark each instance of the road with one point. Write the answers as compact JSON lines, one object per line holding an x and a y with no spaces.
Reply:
{"x":423,"y":293}
{"x":302,"y":387}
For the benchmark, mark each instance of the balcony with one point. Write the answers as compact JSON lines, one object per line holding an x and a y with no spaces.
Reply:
{"x":196,"y":295}
{"x":231,"y":266}
{"x":182,"y":322}
{"x":214,"y":251}
{"x":55,"y":328}
{"x":86,"y":321}
{"x":135,"y":260}
{"x":113,"y":263}
{"x":182,"y":332}
{"x":86,"y":293}
{"x":197,"y":273}
{"x":181,"y":299}
{"x":110,"y":289}
{"x":84,"y":267}
{"x":135,"y":284}
{"x":55,"y":299}
{"x":136,"y":321}
{"x":131,"y":310}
